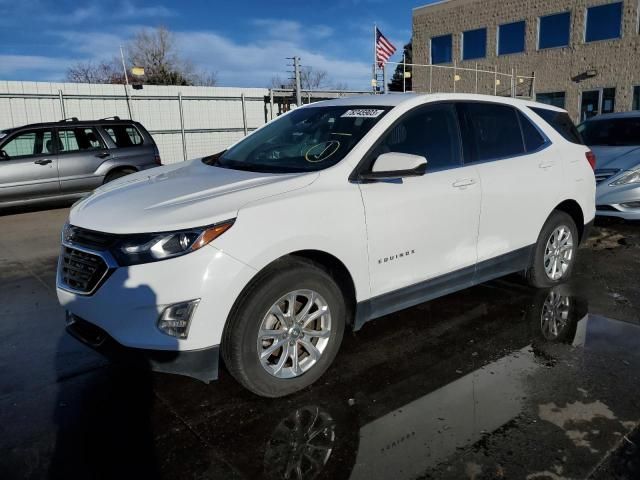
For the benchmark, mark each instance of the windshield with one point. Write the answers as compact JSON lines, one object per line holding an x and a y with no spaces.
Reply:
{"x":305,"y":140}
{"x":611,"y":132}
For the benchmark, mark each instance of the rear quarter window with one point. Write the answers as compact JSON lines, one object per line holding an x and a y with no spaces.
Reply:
{"x":124,"y":135}
{"x":561,"y":123}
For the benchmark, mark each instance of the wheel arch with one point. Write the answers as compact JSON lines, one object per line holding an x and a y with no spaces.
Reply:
{"x":574,"y":210}
{"x":327,"y":261}
{"x":119,"y":168}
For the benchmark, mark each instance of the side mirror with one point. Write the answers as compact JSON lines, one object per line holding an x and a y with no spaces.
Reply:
{"x":392,"y":166}
{"x":4,"y":155}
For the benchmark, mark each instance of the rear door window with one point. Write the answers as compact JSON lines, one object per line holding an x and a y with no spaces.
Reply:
{"x":431,"y":132}
{"x":78,"y":139}
{"x":561,"y":123}
{"x":124,"y":135}
{"x":491,"y":131}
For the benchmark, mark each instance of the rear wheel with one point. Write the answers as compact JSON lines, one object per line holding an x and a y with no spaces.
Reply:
{"x":555,"y":251}
{"x":286,"y":330}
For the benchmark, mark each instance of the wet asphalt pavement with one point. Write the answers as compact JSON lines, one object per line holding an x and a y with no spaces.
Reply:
{"x":499,"y":381}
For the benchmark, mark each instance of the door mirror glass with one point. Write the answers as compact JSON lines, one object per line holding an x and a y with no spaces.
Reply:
{"x":393,"y":165}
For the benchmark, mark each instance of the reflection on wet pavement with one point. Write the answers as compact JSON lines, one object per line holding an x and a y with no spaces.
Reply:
{"x":498,"y":381}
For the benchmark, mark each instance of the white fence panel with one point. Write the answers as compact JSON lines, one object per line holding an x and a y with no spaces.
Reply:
{"x":213,"y":116}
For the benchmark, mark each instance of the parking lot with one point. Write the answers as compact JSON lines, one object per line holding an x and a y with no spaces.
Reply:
{"x":465,"y":386}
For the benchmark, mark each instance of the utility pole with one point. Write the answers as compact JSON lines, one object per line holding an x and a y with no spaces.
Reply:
{"x":296,"y":66}
{"x":126,"y":82}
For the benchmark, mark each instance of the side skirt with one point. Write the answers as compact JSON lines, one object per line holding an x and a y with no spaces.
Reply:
{"x":412,"y":295}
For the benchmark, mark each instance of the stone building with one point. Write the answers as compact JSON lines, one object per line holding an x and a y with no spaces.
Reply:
{"x":584,"y":55}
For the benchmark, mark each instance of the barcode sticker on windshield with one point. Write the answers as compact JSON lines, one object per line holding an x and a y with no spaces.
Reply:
{"x":362,"y":113}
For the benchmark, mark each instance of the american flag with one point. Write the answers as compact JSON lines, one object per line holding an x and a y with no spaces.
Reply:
{"x":384,"y":48}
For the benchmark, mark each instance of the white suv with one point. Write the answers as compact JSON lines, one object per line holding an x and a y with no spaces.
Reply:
{"x":332,"y":215}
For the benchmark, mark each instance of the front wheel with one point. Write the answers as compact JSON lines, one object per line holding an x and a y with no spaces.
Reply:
{"x":286,"y":329}
{"x":555,"y":252}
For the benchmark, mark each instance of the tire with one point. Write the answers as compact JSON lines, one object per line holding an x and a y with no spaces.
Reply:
{"x":111,"y":176}
{"x":541,"y":273}
{"x":265,"y":306}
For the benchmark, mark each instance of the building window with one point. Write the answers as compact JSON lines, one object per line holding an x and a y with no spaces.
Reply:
{"x":552,"y":98}
{"x":595,"y":102}
{"x":554,"y":30}
{"x":603,"y":22}
{"x":511,"y":38}
{"x":636,"y":99}
{"x":474,"y":44}
{"x":441,"y":50}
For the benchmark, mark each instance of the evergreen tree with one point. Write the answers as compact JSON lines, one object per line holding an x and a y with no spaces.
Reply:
{"x":395,"y":85}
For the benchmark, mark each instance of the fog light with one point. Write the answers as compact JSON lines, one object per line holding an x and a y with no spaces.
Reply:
{"x":630,"y":205}
{"x":176,"y":318}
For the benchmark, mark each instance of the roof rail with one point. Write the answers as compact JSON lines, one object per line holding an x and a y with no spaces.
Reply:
{"x":114,"y":117}
{"x":71,"y":119}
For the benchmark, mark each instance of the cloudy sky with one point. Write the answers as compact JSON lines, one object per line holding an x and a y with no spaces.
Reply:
{"x":244,"y":41}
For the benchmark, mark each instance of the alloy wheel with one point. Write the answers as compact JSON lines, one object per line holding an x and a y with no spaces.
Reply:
{"x":558,"y":252}
{"x":294,"y":333}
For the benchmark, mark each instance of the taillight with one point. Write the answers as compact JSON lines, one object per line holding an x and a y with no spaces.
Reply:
{"x":591,"y":158}
{"x":156,"y":159}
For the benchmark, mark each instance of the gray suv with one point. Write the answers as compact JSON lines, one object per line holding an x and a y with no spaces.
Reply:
{"x":66,"y":159}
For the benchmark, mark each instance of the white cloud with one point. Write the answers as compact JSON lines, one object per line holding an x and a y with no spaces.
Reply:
{"x":291,"y":30}
{"x":104,"y":12}
{"x":47,"y":67}
{"x":254,"y":64}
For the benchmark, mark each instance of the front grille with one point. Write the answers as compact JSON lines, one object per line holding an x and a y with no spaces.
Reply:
{"x":81,"y":271}
{"x":605,"y":173}
{"x":89,"y":238}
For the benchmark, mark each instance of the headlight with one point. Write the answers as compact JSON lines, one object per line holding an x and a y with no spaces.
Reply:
{"x":629,"y":177}
{"x":152,"y":247}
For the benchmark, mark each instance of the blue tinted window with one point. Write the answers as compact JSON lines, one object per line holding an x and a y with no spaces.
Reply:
{"x":552,"y":98}
{"x":603,"y":22}
{"x":511,"y":38}
{"x":554,"y":30}
{"x":441,"y":49}
{"x":474,"y":44}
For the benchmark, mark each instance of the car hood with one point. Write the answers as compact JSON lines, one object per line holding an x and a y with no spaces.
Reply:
{"x":179,"y":196}
{"x":623,"y":158}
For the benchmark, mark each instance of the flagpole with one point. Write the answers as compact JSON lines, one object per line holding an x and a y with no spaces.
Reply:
{"x":374,"y":80}
{"x":404,"y":73}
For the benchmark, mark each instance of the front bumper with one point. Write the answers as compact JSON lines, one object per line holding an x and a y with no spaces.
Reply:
{"x":128,"y":303}
{"x":610,"y":200}
{"x":200,"y":364}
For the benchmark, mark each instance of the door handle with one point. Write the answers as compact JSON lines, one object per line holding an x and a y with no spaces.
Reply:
{"x":546,"y":164}
{"x":464,"y":183}
{"x":103,"y":154}
{"x":43,"y":161}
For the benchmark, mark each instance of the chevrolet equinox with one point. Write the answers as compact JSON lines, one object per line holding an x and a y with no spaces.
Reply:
{"x":329,"y":216}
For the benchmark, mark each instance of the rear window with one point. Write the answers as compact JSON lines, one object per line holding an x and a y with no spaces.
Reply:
{"x":619,"y":132}
{"x":124,"y":135}
{"x":561,"y":123}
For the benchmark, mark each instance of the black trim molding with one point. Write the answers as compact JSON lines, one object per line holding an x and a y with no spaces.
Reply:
{"x":412,"y":295}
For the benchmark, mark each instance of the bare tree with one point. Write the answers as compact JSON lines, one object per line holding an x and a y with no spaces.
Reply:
{"x":310,"y":79}
{"x":90,"y":72}
{"x":154,"y":50}
{"x":313,"y":79}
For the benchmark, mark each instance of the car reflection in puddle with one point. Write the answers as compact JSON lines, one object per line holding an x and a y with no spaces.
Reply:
{"x":493,"y":382}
